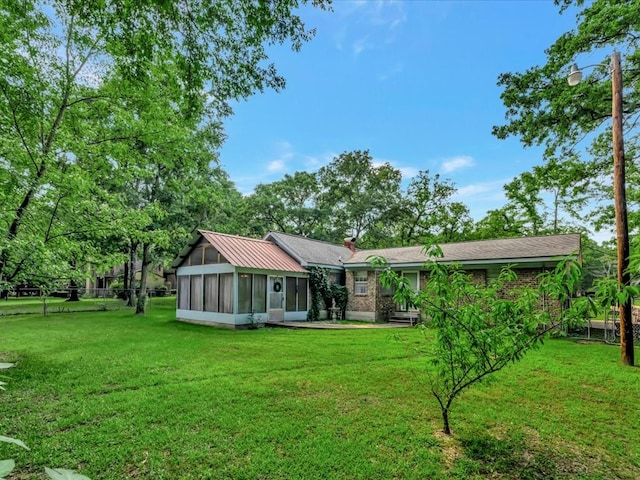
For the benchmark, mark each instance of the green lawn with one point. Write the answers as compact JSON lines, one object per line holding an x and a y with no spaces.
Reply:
{"x":117,"y":396}
{"x":36,"y":305}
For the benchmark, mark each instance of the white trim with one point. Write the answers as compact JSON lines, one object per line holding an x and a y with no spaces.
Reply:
{"x":463,"y":263}
{"x":204,"y":269}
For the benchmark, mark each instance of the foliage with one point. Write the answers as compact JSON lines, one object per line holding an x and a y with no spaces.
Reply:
{"x":426,"y":212}
{"x":290,"y":205}
{"x":339,"y":294}
{"x":358,"y":194}
{"x":324,"y":295}
{"x":573,"y":123}
{"x":480,"y":329}
{"x":96,"y":101}
{"x":319,"y":290}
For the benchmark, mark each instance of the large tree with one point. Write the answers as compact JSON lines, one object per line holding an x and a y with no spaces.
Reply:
{"x":548,"y":197}
{"x":358,"y":194}
{"x":290,"y":205}
{"x":574,"y":122}
{"x":53,"y":60}
{"x":426,"y":212}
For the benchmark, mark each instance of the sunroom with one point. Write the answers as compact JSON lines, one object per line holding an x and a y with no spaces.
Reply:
{"x":232,"y":281}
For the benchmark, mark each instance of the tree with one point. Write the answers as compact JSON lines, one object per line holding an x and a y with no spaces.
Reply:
{"x":498,"y":223}
{"x":478,"y":329}
{"x":357,"y":193}
{"x":543,"y":109}
{"x":290,"y":205}
{"x":564,"y":182}
{"x":53,"y":62}
{"x":425,"y":208}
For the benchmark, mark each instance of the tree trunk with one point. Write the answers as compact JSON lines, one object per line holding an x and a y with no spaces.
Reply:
{"x":73,"y":291}
{"x":142,"y":296}
{"x":445,"y":421}
{"x":131,"y":292}
{"x":125,"y":280}
{"x":73,"y":286}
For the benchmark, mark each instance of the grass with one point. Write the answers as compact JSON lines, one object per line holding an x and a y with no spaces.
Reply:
{"x":35,"y":305}
{"x":118,"y":396}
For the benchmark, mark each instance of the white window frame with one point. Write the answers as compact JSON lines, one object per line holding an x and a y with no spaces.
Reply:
{"x":361,"y":283}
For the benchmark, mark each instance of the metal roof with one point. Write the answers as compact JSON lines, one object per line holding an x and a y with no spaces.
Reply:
{"x":506,"y":250}
{"x":311,"y":252}
{"x":250,"y":252}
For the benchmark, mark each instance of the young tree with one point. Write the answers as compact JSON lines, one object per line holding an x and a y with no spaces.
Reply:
{"x":480,"y":329}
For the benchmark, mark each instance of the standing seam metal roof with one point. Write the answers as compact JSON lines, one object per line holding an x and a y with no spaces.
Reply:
{"x":252,"y":253}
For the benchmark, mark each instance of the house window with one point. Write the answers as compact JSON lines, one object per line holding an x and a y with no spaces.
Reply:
{"x":252,"y":293}
{"x":412,"y":280}
{"x":225,"y":296}
{"x":210,"y":255}
{"x":196,"y":256}
{"x":296,"y":294}
{"x":387,"y":291}
{"x":211,"y":293}
{"x":302,"y":294}
{"x":244,"y":292}
{"x":360,"y":283}
{"x":183,"y":292}
{"x":196,"y":292}
{"x":259,"y":296}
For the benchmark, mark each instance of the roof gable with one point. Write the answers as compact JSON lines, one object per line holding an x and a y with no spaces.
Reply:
{"x":247,"y":252}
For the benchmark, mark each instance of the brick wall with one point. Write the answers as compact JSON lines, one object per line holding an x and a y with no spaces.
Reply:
{"x":381,"y":306}
{"x":362,"y":303}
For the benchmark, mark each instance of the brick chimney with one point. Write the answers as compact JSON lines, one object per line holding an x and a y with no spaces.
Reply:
{"x":350,"y":243}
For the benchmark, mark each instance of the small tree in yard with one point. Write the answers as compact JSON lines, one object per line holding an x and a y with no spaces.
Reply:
{"x":480,"y":329}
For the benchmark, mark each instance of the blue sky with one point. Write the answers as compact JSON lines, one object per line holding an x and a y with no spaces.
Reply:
{"x":414,"y":82}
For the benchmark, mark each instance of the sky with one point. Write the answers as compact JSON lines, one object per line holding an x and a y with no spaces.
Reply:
{"x":414,"y":82}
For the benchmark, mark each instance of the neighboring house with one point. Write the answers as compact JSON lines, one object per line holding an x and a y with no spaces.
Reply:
{"x":484,"y":259}
{"x":232,"y":281}
{"x":99,"y":284}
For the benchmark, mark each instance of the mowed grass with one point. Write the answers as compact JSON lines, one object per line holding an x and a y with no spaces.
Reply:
{"x":36,"y":305}
{"x":118,"y":396}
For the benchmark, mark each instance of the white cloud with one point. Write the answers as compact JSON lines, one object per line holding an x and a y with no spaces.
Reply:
{"x":360,"y":45}
{"x":366,"y":24}
{"x":276,"y":166}
{"x":457,"y":163}
{"x":408,"y":172}
{"x":314,"y":162}
{"x":486,"y":190}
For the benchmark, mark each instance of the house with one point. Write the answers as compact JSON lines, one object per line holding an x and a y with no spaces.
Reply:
{"x":228,"y":280}
{"x":528,"y":256}
{"x":315,"y":253}
{"x":232,"y":281}
{"x":101,"y":284}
